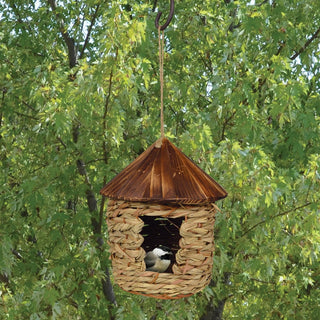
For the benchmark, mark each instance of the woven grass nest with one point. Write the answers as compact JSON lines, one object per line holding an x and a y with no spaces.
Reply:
{"x":162,"y":197}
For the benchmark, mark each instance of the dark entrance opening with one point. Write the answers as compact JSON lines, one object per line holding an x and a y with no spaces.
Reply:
{"x":163,"y":231}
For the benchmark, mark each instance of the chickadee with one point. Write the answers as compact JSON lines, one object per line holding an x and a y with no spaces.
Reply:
{"x":158,"y":260}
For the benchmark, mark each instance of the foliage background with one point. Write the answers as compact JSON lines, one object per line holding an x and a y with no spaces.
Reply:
{"x":79,"y":100}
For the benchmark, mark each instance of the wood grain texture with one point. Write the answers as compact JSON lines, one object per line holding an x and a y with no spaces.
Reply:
{"x":163,"y":173}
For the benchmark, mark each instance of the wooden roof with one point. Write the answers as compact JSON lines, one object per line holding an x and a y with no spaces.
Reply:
{"x":163,"y":173}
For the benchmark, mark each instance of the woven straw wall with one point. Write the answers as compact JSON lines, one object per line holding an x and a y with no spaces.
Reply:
{"x":193,"y":266}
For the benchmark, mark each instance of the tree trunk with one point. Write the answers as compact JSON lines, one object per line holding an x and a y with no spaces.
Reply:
{"x":96,"y":221}
{"x":214,"y":312}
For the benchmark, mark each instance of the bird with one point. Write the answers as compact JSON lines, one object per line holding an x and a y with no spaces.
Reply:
{"x":159,"y":259}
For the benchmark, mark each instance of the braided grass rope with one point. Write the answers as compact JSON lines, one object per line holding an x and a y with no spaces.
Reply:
{"x":193,"y":266}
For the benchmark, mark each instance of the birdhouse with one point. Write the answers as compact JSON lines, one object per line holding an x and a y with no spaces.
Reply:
{"x":162,"y":199}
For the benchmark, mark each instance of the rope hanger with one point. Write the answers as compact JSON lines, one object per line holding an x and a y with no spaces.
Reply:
{"x":161,"y":55}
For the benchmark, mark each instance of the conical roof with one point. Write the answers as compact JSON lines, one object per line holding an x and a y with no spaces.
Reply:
{"x":163,"y":173}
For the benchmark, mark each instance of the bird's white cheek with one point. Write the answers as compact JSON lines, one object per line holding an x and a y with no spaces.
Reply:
{"x":160,"y":266}
{"x":163,"y":265}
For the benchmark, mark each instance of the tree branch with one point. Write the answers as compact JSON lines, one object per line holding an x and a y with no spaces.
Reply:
{"x":27,"y":105}
{"x":261,"y":3}
{"x":104,"y":118}
{"x":262,"y":281}
{"x":214,"y":309}
{"x":104,"y":128}
{"x":93,"y":19}
{"x":19,"y":19}
{"x":109,"y":294}
{"x":4,"y":91}
{"x":72,"y":52}
{"x":107,"y":287}
{"x":91,"y":199}
{"x":305,"y":46}
{"x":275,"y":216}
{"x":225,"y":123}
{"x":25,"y":115}
{"x":97,"y":226}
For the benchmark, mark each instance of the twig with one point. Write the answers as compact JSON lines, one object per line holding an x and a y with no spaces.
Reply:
{"x":107,"y":287}
{"x":61,"y":141}
{"x":4,"y":91}
{"x":262,"y":281}
{"x":305,"y":46}
{"x":25,"y":115}
{"x":225,"y":123}
{"x":94,"y":17}
{"x":255,"y":279}
{"x":261,"y":3}
{"x":105,"y":113}
{"x":275,"y":216}
{"x":104,"y":142}
{"x":28,"y":105}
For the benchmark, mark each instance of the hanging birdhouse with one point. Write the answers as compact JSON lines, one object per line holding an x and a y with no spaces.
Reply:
{"x":160,"y":221}
{"x":160,"y":217}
